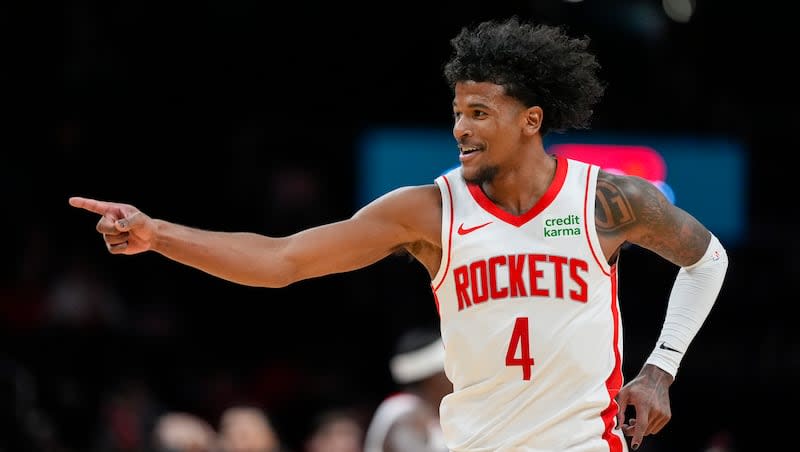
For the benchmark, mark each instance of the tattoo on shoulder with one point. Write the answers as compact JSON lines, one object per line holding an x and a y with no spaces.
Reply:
{"x":612,"y":208}
{"x":623,"y":203}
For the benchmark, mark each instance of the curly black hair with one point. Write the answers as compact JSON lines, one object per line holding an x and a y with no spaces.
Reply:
{"x":536,"y":64}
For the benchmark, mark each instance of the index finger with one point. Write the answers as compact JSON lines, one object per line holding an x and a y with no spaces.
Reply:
{"x":92,"y":205}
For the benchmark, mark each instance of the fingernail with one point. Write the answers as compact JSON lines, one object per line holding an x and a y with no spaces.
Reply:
{"x":635,"y":446}
{"x":123,"y":223}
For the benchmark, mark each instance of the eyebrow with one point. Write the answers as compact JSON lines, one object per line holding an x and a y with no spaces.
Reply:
{"x":475,"y":105}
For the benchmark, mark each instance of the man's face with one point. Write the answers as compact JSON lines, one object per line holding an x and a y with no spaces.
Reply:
{"x":488,"y":128}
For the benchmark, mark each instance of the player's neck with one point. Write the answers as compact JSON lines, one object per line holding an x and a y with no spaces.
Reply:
{"x":518,"y":188}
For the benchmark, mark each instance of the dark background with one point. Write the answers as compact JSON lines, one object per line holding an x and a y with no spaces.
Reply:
{"x":243,"y":115}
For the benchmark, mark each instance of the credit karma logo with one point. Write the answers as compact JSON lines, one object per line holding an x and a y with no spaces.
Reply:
{"x":633,"y":160}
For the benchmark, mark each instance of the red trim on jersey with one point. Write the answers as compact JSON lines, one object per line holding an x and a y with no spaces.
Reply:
{"x":586,"y":223}
{"x":449,"y":243}
{"x":614,"y":381}
{"x":436,"y":300}
{"x":518,"y":220}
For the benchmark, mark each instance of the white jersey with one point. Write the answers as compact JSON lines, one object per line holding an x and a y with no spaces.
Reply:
{"x":529,"y":320}
{"x":388,"y":412}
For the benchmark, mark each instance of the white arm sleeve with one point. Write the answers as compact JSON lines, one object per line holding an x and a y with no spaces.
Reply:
{"x":693,"y":294}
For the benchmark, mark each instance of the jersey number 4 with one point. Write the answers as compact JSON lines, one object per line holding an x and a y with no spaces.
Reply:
{"x":519,"y":348}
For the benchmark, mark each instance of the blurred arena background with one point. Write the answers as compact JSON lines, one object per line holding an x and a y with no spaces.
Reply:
{"x":267,"y":117}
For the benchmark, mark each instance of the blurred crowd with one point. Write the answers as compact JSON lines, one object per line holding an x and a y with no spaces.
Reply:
{"x":248,"y":429}
{"x":82,"y":370}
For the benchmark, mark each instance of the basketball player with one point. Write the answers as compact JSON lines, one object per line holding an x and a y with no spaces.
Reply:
{"x":408,"y":420}
{"x":522,"y":250}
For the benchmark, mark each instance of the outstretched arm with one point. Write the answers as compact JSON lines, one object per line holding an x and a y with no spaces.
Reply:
{"x":252,"y":259}
{"x":643,"y":216}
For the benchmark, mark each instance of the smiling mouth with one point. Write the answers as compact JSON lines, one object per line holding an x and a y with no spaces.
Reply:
{"x":468,"y":150}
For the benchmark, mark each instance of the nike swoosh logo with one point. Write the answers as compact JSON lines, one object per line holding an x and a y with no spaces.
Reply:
{"x":464,"y":231}
{"x":664,"y":346}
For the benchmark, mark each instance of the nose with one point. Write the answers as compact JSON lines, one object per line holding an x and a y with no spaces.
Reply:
{"x":461,"y":128}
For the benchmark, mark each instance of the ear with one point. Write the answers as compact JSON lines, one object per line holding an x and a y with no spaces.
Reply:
{"x":533,"y":120}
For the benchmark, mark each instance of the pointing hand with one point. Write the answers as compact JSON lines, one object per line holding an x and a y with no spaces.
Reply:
{"x":125,"y":229}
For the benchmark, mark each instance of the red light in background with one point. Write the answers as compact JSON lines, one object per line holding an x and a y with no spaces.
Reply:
{"x":640,"y":161}
{"x":634,"y":160}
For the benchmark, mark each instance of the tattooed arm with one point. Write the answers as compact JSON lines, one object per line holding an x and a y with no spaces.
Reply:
{"x":630,"y":209}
